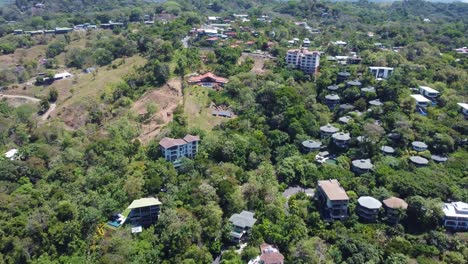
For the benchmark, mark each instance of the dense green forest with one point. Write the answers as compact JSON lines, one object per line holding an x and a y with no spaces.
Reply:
{"x":83,"y":150}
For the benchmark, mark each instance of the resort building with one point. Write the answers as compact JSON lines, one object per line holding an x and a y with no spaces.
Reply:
{"x":387,"y":150}
{"x":332,"y":100}
{"x":333,"y":199}
{"x":208,"y":80}
{"x":328,"y":130}
{"x":305,"y":60}
{"x":241,"y":225}
{"x":362,"y":166}
{"x":175,"y":148}
{"x":368,"y":208}
{"x":333,"y":88}
{"x":354,"y":83}
{"x":144,"y":212}
{"x":311,"y":145}
{"x":343,"y":76}
{"x":345,"y":119}
{"x":269,"y":255}
{"x":381,"y":72}
{"x":393,"y":207}
{"x":419,"y":161}
{"x":464,"y":108}
{"x":456,"y":216}
{"x":341,"y":139}
{"x":421,"y":101}
{"x":428,"y":92}
{"x":419,"y":146}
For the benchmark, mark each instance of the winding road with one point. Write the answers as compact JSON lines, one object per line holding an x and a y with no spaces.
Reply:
{"x":45,"y":116}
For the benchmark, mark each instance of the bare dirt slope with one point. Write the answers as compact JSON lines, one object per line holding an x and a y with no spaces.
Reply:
{"x":166,"y":98}
{"x":259,"y":62}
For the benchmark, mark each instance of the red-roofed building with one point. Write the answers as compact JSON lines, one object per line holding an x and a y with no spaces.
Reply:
{"x":175,"y":148}
{"x":270,"y":255}
{"x":212,"y":40}
{"x":208,"y":80}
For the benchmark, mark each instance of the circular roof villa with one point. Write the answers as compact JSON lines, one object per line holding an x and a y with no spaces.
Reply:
{"x":376,"y":102}
{"x":329,"y":129}
{"x":419,"y":145}
{"x":363,"y":164}
{"x":311,"y":144}
{"x":395,"y":203}
{"x":333,"y":87}
{"x":354,"y":83}
{"x":369,"y":202}
{"x":332,"y":97}
{"x":344,"y":74}
{"x":346,"y":107}
{"x":341,"y":136}
{"x":387,"y":150}
{"x":368,"y":89}
{"x":418,"y":160}
{"x":438,"y":158}
{"x":345,"y":119}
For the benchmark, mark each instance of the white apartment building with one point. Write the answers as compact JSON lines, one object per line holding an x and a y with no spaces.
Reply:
{"x":305,"y":60}
{"x":381,"y":72}
{"x":456,"y":215}
{"x":175,"y":148}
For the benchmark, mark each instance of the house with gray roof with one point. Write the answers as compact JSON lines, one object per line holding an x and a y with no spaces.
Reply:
{"x":419,"y":146}
{"x":341,"y":139}
{"x":345,"y":119}
{"x":241,"y":225}
{"x":368,"y":208}
{"x":332,"y":100}
{"x":328,"y":130}
{"x":343,"y":76}
{"x":362,"y":166}
{"x":375,"y":102}
{"x":355,"y":83}
{"x":387,"y":150}
{"x":419,"y":161}
{"x":346,"y":107}
{"x":368,"y":89}
{"x":311,"y":145}
{"x":334,"y":87}
{"x":439,"y":158}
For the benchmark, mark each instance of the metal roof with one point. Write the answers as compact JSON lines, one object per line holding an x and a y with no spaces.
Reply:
{"x":420,"y":99}
{"x":428,"y":89}
{"x":354,"y":83}
{"x":419,"y":144}
{"x":333,"y":190}
{"x":333,"y":87}
{"x":345,"y":119}
{"x":368,"y":89}
{"x":364,"y":164}
{"x":369,"y":202}
{"x":333,"y":97}
{"x":144,"y":202}
{"x":376,"y":102}
{"x":341,"y":136}
{"x":244,"y":219}
{"x":419,"y":160}
{"x":387,"y":149}
{"x":329,"y":129}
{"x":439,"y":158}
{"x":312,"y":144}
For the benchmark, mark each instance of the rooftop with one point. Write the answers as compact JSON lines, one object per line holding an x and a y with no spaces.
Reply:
{"x":333,"y":97}
{"x":329,"y":129}
{"x":244,"y":219}
{"x":369,"y":202}
{"x":395,"y":203}
{"x":354,"y":83}
{"x":364,"y":164}
{"x":378,"y":68}
{"x":368,"y":89}
{"x":387,"y":149}
{"x":207,"y":75}
{"x":333,"y":87}
{"x":419,"y":144}
{"x":270,"y":255}
{"x":376,"y":102}
{"x":144,"y":202}
{"x":311,"y":144}
{"x":419,"y":160}
{"x":428,"y":89}
{"x":420,"y":99}
{"x":439,"y":158}
{"x":341,"y":136}
{"x":347,"y":106}
{"x":168,"y":142}
{"x":463,"y":105}
{"x":333,"y":190}
{"x":344,"y":74}
{"x":456,"y":209}
{"x":190,"y":138}
{"x":345,"y":119}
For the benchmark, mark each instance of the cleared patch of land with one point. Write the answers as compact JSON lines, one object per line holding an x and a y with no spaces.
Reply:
{"x":196,"y":108}
{"x":166,"y":99}
{"x":259,"y":62}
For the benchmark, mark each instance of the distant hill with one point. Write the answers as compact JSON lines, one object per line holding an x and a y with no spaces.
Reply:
{"x":390,"y":1}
